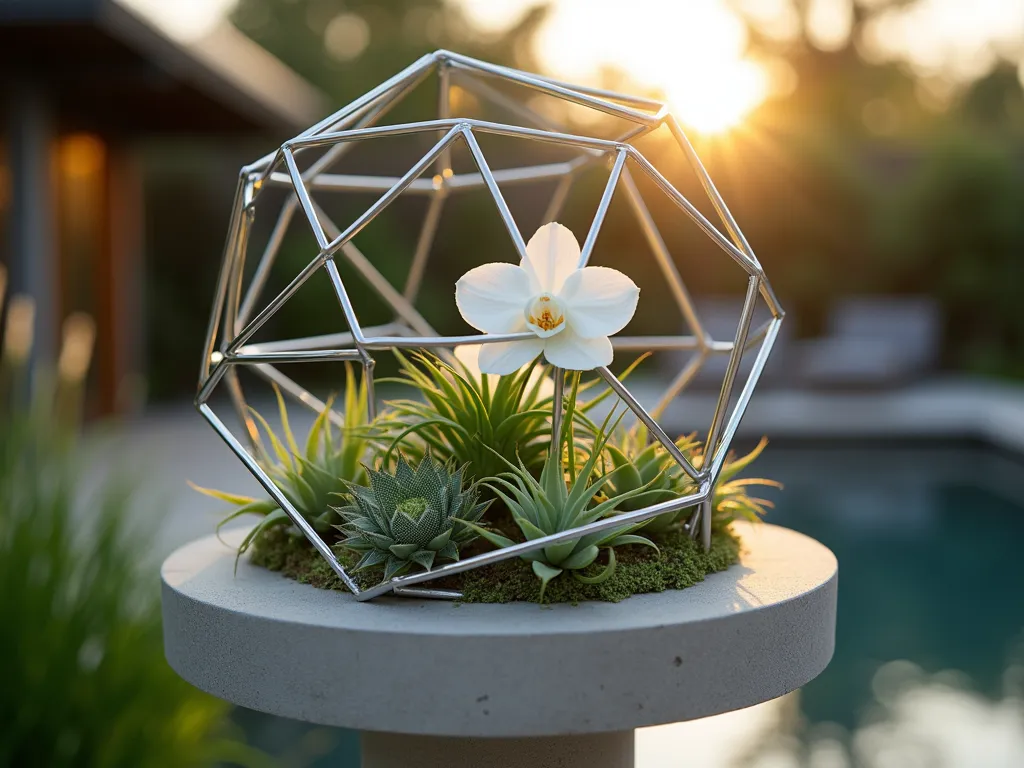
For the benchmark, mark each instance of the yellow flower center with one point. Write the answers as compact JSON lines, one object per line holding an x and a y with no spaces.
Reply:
{"x":544,"y":315}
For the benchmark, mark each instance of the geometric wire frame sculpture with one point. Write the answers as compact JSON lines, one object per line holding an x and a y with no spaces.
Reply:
{"x":234,"y":318}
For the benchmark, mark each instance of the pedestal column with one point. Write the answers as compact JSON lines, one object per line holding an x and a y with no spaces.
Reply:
{"x":598,"y":750}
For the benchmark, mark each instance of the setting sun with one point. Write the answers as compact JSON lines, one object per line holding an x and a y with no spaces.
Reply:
{"x":692,"y":52}
{"x":719,"y":102}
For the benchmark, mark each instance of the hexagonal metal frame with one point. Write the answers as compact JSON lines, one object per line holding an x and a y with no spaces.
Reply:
{"x":234,"y":320}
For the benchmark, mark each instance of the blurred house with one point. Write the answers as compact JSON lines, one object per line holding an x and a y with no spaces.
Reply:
{"x":85,"y":83}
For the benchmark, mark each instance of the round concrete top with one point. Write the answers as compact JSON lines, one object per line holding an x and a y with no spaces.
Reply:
{"x":756,"y":631}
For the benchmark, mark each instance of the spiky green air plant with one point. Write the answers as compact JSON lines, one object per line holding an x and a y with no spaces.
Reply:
{"x":309,"y":478}
{"x":471,"y":419}
{"x":413,"y":516}
{"x":731,"y":500}
{"x":465,"y":418}
{"x":562,"y":499}
{"x":641,"y":464}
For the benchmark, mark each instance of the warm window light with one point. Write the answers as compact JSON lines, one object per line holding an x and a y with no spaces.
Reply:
{"x":81,"y":155}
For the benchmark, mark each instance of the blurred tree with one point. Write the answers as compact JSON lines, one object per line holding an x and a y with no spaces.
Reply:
{"x":346,"y":47}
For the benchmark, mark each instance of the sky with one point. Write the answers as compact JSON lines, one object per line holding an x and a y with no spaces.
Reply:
{"x":694,"y":51}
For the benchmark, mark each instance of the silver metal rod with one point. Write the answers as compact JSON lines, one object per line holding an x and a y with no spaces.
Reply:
{"x":428,"y":342}
{"x":656,"y":431}
{"x":663,"y":257}
{"x":371,"y":390}
{"x":657,"y":343}
{"x":722,"y":406}
{"x":706,"y":512}
{"x":602,"y":208}
{"x":346,"y":304}
{"x":211,"y":382}
{"x":744,"y":398}
{"x":247,"y":358}
{"x":625,"y":98}
{"x":679,"y":383}
{"x":499,"y":199}
{"x":557,"y":405}
{"x":424,"y":243}
{"x":547,"y":137}
{"x":304,"y":199}
{"x":510,"y":176}
{"x":220,"y":294}
{"x":323,"y":341}
{"x":402,"y":306}
{"x":485,"y":91}
{"x":427,"y":594}
{"x":268,"y":485}
{"x":483,"y":126}
{"x":333,"y":182}
{"x":377,"y":131}
{"x":687,"y":207}
{"x":543,"y":86}
{"x":558,"y":199}
{"x":341,"y":182}
{"x":241,"y":409}
{"x":278,"y":301}
{"x":444,"y":92}
{"x":755,"y":336}
{"x":266,"y":262}
{"x":234,"y":297}
{"x":722,"y":209}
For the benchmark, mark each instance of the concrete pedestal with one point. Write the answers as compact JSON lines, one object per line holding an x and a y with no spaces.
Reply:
{"x":508,"y":685}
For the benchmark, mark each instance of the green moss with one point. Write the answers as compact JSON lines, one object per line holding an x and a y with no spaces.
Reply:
{"x":680,"y":563}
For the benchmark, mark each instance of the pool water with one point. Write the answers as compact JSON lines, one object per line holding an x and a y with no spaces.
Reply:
{"x":929,"y":661}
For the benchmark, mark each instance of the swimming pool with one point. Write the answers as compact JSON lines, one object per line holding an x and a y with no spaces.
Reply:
{"x":929,"y":661}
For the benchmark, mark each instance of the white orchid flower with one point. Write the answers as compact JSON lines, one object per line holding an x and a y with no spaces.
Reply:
{"x":571,"y":311}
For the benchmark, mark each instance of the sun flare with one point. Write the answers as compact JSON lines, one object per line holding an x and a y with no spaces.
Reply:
{"x":693,"y":51}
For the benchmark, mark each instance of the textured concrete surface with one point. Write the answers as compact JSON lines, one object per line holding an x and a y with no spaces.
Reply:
{"x":596,"y":750}
{"x":763,"y":628}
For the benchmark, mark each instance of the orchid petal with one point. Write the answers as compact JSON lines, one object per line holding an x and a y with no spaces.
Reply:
{"x":551,"y":256}
{"x":505,"y":357}
{"x":598,"y":301}
{"x":574,"y":353}
{"x":491,"y":297}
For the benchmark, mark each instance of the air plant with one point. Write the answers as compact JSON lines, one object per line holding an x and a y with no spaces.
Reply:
{"x":561,"y":500}
{"x":466,"y":418}
{"x":311,"y":477}
{"x":479,"y":420}
{"x":641,"y":464}
{"x":412,"y":516}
